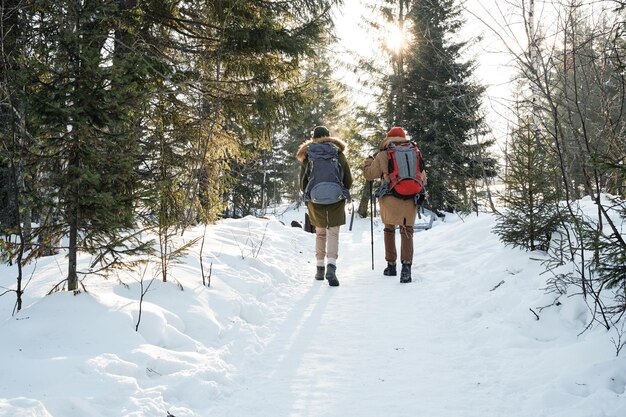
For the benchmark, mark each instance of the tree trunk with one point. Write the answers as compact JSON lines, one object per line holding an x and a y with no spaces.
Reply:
{"x":364,"y":201}
{"x":72,"y":277}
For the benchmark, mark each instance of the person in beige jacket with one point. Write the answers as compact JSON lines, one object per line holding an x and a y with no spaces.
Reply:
{"x":394,"y":211}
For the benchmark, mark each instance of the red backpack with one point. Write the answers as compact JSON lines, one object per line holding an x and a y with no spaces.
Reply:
{"x":405,"y":166}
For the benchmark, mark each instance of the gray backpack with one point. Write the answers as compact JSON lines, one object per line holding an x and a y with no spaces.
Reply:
{"x":325,"y":175}
{"x":405,"y":166}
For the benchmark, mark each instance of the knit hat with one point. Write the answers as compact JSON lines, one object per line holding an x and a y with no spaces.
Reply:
{"x":396,"y":132}
{"x":321,"y":132}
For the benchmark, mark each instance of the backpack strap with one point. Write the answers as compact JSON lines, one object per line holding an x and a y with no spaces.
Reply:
{"x":394,"y":177}
{"x":391,"y":167}
{"x":306,"y":173}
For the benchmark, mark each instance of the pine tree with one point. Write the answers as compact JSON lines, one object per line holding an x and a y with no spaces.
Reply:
{"x":530,"y":196}
{"x":443,"y":105}
{"x":384,"y":75}
{"x":85,"y":82}
{"x":129,"y":111}
{"x":15,"y":140}
{"x":322,"y":103}
{"x":244,"y":62}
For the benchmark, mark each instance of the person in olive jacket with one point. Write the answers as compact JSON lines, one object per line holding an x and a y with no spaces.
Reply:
{"x":327,"y":219}
{"x":394,"y":211}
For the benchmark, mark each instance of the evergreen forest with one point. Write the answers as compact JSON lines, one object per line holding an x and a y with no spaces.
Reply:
{"x":123,"y":119}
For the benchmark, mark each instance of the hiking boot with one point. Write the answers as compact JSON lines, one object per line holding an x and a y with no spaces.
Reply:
{"x":319,"y":274}
{"x":390,"y":270}
{"x":330,"y":275}
{"x":405,"y":274}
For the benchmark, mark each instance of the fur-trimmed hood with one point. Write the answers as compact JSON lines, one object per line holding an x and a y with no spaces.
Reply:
{"x":301,"y":154}
{"x":385,"y":142}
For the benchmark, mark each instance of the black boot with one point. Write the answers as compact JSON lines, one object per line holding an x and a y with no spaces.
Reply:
{"x":319,"y":274}
{"x":330,"y":275}
{"x":405,"y":274}
{"x":390,"y":270}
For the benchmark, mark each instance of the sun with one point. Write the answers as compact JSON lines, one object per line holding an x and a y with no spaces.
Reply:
{"x":396,"y":39}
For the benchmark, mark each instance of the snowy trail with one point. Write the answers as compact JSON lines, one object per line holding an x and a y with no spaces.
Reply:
{"x":375,"y":347}
{"x":267,"y":340}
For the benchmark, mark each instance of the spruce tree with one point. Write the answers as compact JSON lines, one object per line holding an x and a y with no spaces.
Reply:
{"x":86,"y":82}
{"x":530,"y":196}
{"x":322,"y":103}
{"x":243,"y":71}
{"x":133,"y":111}
{"x":15,"y":138}
{"x":443,"y":105}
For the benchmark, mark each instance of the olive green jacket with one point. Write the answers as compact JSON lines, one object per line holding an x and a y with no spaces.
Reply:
{"x":332,"y":214}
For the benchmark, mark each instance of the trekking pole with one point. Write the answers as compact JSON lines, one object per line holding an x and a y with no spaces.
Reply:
{"x":352,"y":215}
{"x":372,"y":219}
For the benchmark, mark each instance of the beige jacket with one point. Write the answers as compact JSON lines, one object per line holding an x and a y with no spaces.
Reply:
{"x":393,"y":210}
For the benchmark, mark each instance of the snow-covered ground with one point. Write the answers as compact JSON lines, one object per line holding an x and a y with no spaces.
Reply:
{"x":266,"y":339}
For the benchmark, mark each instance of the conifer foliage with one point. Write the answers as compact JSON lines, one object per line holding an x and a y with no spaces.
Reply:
{"x":121,"y":114}
{"x":530,"y":197}
{"x":323,"y":104}
{"x":429,"y":90}
{"x":572,"y":86}
{"x":443,"y":105}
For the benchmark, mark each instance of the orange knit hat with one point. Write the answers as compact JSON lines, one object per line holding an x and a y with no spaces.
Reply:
{"x":396,"y":132}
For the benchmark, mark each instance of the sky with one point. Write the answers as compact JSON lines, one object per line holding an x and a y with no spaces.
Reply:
{"x":267,"y":340}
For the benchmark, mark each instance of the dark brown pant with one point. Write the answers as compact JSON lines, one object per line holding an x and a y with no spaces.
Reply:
{"x":406,"y":243}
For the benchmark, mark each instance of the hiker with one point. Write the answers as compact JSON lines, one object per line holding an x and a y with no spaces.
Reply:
{"x":325,"y":180}
{"x":395,"y":211}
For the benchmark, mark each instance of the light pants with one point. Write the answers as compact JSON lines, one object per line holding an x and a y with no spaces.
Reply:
{"x":326,"y":244}
{"x":406,"y":243}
